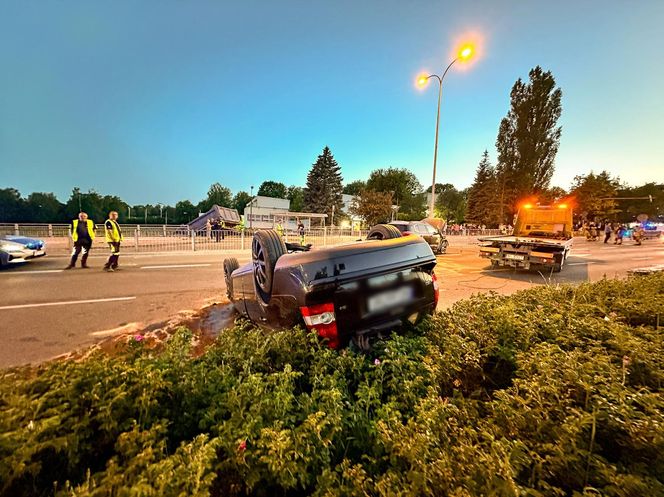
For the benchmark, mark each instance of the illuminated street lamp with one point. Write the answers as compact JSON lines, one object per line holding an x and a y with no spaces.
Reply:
{"x":465,"y":53}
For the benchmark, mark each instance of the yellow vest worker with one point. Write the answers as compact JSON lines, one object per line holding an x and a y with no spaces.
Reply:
{"x":113,"y":238}
{"x":89,"y":226}
{"x":82,"y":234}
{"x":280,"y":229}
{"x":113,"y":232}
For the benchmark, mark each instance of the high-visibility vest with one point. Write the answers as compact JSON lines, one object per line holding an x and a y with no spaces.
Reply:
{"x":113,"y":234}
{"x":280,"y":229}
{"x":74,"y":232}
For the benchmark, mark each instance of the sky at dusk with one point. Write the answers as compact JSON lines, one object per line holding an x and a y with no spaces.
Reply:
{"x":155,"y":100}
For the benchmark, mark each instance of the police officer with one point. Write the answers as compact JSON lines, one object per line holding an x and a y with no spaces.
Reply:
{"x":82,"y":234}
{"x":113,"y":238}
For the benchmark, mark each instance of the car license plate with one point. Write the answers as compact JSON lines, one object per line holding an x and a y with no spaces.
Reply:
{"x":390,"y":298}
{"x":515,"y":257}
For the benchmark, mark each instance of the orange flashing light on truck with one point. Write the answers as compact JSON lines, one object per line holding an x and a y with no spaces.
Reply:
{"x":542,"y":239}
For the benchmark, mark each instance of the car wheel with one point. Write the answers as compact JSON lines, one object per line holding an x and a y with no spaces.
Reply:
{"x":266,"y":247}
{"x":230,"y":265}
{"x":558,"y":266}
{"x":384,"y":232}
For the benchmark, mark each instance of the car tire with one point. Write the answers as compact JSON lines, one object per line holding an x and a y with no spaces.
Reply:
{"x":384,"y":232}
{"x":230,"y":265}
{"x":558,"y":265}
{"x":266,"y":248}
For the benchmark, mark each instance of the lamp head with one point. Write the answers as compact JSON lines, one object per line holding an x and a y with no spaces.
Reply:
{"x":466,"y":52}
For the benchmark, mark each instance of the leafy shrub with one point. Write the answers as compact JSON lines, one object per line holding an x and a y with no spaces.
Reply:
{"x":551,"y":391}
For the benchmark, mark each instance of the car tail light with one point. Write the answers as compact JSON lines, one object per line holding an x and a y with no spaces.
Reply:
{"x":406,"y":233}
{"x":436,"y":288}
{"x":321,"y":317}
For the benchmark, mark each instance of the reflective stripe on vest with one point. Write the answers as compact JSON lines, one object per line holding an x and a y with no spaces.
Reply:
{"x":91,"y":230}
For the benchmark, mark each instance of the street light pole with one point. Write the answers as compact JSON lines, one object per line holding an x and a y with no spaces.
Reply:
{"x":251,"y":209}
{"x":464,"y":54}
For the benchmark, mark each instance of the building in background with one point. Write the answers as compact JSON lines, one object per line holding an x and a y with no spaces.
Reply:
{"x":265,"y":212}
{"x":354,"y":222}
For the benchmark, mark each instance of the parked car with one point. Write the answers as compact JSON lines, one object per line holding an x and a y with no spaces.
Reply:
{"x":34,"y":244}
{"x":356,"y":291}
{"x":434,"y":238}
{"x":13,"y":252}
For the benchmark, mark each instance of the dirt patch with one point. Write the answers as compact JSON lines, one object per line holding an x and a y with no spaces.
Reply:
{"x":205,"y":323}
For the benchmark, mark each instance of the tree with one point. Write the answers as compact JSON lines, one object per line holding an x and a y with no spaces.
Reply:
{"x":482,"y":202}
{"x":355,"y":187}
{"x":372,"y":206}
{"x":90,"y":203}
{"x":451,"y":204}
{"x":185,"y":211}
{"x":296,"y":196}
{"x":632,"y":208}
{"x":216,"y":195}
{"x":552,"y":194}
{"x":405,"y":188}
{"x":593,"y":194}
{"x":324,"y":185}
{"x":272,"y":189}
{"x":12,"y":206}
{"x":44,"y":208}
{"x":528,"y":139}
{"x":240,"y":201}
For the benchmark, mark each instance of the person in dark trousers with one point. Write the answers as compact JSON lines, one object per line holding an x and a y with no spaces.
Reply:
{"x":113,"y":238}
{"x":216,"y":230}
{"x":620,"y":233}
{"x":607,"y":232}
{"x":82,"y":234}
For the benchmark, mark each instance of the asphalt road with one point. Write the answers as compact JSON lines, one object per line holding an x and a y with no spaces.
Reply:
{"x":45,"y":311}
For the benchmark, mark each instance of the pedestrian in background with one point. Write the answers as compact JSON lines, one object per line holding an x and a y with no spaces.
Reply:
{"x":300,"y":231}
{"x":620,"y":233}
{"x":215,"y":230}
{"x":82,"y":234}
{"x":607,"y":232}
{"x":113,"y":238}
{"x":208,"y":229}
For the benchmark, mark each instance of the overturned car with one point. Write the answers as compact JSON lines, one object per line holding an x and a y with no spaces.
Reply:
{"x":355,"y":291}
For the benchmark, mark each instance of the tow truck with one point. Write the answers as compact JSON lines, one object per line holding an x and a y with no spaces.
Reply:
{"x":542,"y":239}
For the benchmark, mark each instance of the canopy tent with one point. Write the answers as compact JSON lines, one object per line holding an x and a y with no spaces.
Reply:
{"x":229,"y":216}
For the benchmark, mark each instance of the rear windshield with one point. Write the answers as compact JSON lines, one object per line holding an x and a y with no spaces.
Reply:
{"x":424,"y":228}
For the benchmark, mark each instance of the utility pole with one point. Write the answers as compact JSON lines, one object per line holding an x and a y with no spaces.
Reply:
{"x":251,"y":209}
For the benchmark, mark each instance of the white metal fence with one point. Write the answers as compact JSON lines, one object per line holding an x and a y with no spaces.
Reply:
{"x":164,"y":238}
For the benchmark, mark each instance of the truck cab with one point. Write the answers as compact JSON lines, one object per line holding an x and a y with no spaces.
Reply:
{"x":542,"y":238}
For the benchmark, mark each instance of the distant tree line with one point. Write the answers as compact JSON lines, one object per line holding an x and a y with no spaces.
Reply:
{"x":526,"y":147}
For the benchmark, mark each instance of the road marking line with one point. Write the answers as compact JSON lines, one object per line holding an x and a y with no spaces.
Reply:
{"x":579,"y":263}
{"x":41,"y":271}
{"x":67,"y":302}
{"x":175,"y":266}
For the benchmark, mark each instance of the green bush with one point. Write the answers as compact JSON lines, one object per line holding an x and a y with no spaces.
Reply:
{"x":552,"y":391}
